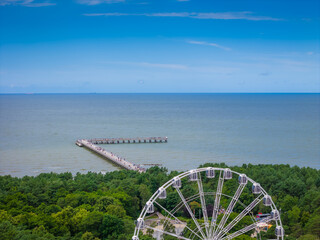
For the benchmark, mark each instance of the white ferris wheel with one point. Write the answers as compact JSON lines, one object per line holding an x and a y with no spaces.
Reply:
{"x":219,"y":214}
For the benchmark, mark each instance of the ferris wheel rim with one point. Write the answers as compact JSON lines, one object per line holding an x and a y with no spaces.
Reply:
{"x":183,"y":175}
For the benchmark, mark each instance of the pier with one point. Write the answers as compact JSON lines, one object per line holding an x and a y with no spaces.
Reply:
{"x":91,"y":144}
{"x":128,"y":140}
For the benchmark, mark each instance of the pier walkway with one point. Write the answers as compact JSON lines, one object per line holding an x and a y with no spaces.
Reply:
{"x":91,"y":144}
{"x":128,"y":140}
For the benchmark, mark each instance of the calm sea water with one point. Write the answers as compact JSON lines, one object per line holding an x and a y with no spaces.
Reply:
{"x":38,"y":132}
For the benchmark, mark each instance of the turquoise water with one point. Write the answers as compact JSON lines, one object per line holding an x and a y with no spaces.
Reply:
{"x":38,"y":131}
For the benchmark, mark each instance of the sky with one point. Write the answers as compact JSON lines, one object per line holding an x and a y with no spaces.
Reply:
{"x":163,"y":46}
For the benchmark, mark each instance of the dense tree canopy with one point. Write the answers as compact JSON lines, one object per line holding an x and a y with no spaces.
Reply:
{"x":97,"y":206}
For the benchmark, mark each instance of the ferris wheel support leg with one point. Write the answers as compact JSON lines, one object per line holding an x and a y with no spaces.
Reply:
{"x":233,"y":202}
{"x":203,"y":204}
{"x":216,"y":204}
{"x":240,"y":216}
{"x":247,"y":228}
{"x":177,"y":219}
{"x":190,"y":212}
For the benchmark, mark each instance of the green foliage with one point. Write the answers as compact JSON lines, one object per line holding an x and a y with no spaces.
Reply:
{"x":111,"y":226}
{"x":309,"y":237}
{"x":94,"y":206}
{"x":88,"y":236}
{"x":269,"y":234}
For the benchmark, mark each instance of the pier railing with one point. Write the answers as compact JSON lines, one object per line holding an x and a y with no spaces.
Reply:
{"x":128,"y":140}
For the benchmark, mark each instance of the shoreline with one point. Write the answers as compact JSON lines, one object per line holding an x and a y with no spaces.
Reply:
{"x":118,"y":168}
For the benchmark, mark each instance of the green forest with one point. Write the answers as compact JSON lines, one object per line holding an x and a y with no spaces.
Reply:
{"x":97,"y":206}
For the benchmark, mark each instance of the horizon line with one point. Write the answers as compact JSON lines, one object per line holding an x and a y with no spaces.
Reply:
{"x":39,"y":93}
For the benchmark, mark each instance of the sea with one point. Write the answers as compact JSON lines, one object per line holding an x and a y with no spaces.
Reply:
{"x":38,"y":131}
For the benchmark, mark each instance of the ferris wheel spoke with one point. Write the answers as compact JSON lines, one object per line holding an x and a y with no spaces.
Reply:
{"x":196,"y":230}
{"x":247,"y":228}
{"x":190,"y":212}
{"x":180,"y":204}
{"x":216,"y":204}
{"x":167,"y":233}
{"x":233,"y":202}
{"x":193,"y":236}
{"x":240,"y":216}
{"x":203,"y":204}
{"x":177,"y":219}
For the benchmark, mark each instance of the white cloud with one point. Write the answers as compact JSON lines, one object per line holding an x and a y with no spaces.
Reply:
{"x":117,"y":14}
{"x":148,"y":64}
{"x":26,"y":3}
{"x":221,"y":16}
{"x":163,"y":65}
{"x":173,"y":14}
{"x":13,"y":2}
{"x":96,"y":2}
{"x":234,"y":16}
{"x":104,"y":14}
{"x":209,"y":44}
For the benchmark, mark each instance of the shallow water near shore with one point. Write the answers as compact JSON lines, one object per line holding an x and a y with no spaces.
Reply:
{"x":38,"y":131}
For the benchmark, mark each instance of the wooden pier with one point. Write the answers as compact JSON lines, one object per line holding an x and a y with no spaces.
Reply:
{"x":128,"y":140}
{"x":92,"y":145}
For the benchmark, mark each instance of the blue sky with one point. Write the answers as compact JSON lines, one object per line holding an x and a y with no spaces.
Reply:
{"x":159,"y":46}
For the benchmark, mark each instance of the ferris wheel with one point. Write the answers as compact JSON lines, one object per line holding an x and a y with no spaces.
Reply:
{"x":212,"y":205}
